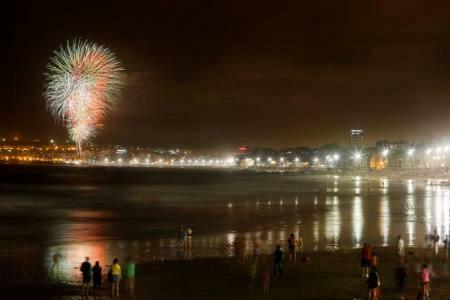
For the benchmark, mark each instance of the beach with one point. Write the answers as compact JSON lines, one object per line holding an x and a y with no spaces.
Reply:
{"x":327,"y":275}
{"x":103,"y":213}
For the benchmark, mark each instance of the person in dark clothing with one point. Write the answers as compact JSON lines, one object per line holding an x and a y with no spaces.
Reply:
{"x":400,"y":279}
{"x":97,"y":276}
{"x":86,"y":270}
{"x":277,"y":257}
{"x":291,"y":248}
{"x":373,"y":283}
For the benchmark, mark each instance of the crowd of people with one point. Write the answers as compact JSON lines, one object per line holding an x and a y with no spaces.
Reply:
{"x":93,"y":276}
{"x":424,"y":270}
{"x":295,"y":248}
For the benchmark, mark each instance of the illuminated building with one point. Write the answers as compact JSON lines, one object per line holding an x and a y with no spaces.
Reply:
{"x":357,"y":139}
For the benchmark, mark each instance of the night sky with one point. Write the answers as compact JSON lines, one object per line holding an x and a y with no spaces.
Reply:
{"x":216,"y":74}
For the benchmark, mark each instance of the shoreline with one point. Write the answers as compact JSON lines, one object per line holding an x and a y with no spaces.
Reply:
{"x":366,"y":173}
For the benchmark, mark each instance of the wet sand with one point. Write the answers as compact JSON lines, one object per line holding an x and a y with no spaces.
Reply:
{"x":116,"y":212}
{"x":328,"y":275}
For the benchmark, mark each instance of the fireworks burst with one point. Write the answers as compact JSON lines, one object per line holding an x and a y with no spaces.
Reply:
{"x":83,"y":83}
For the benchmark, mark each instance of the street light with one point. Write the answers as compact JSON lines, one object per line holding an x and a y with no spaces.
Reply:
{"x":385,"y":152}
{"x":357,"y":156}
{"x":336,"y":156}
{"x":411,"y":151}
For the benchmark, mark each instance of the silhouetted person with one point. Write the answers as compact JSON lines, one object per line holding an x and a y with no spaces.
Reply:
{"x":266,"y":281}
{"x":277,"y":258}
{"x":366,"y":255}
{"x":446,"y":242}
{"x":97,"y":276}
{"x":86,"y":271}
{"x":373,"y":283}
{"x":252,"y":272}
{"x":400,"y":280}
{"x":292,"y":254}
{"x":374,"y":259}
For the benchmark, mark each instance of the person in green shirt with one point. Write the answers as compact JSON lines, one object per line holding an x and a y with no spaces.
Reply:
{"x":130,"y":273}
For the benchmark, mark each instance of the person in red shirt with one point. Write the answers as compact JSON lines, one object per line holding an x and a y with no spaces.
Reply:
{"x":366,"y":256}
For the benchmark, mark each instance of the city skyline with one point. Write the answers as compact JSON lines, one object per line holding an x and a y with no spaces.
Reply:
{"x":221,"y":75}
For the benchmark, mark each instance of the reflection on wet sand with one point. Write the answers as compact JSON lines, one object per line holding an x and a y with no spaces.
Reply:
{"x":332,"y":223}
{"x":384,"y":219}
{"x":357,"y":221}
{"x":343,"y":214}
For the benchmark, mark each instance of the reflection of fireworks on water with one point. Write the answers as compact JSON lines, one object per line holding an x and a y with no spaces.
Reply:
{"x":83,"y":82}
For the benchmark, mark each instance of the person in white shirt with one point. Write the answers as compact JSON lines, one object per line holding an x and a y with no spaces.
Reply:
{"x":400,"y":249}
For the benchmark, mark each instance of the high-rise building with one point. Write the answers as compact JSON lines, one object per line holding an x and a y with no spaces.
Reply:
{"x":357,"y":139}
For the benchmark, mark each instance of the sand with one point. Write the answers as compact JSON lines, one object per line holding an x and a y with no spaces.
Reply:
{"x":328,"y":275}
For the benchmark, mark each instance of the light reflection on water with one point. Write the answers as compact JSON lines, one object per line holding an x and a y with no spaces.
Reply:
{"x":342,"y":214}
{"x":357,"y":221}
{"x":384,"y":220}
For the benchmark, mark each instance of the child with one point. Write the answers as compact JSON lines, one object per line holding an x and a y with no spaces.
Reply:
{"x":425,"y":280}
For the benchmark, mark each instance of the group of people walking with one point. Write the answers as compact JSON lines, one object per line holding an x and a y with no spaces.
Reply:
{"x":94,"y":275}
{"x":295,"y":246}
{"x":423,"y":270}
{"x":369,"y":263}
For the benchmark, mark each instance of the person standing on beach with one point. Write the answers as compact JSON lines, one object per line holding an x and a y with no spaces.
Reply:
{"x":400,"y":249}
{"x":253,"y":269}
{"x":182,"y":236}
{"x":436,"y":239}
{"x":446,"y":241}
{"x":366,"y":255}
{"x":300,"y":243}
{"x":266,"y":281}
{"x":130,"y":273}
{"x":277,"y":257}
{"x":239,"y":248}
{"x":400,"y":280}
{"x":292,"y":255}
{"x":86,"y":271}
{"x":425,"y":276}
{"x":373,"y":283}
{"x":116,"y":272}
{"x":55,"y":269}
{"x":97,"y":276}
{"x":373,"y":259}
{"x":256,"y":248}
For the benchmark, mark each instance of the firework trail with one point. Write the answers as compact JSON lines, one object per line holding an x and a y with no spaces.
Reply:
{"x":83,"y":83}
